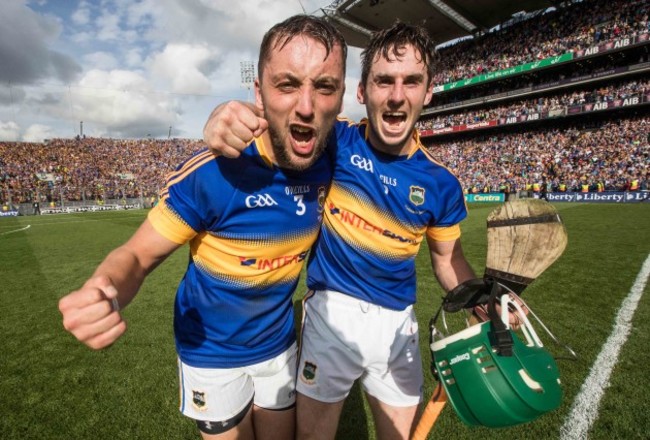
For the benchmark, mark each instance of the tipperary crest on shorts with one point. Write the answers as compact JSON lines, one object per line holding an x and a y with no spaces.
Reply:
{"x":198,"y":400}
{"x":308,"y":373}
{"x":416,"y":195}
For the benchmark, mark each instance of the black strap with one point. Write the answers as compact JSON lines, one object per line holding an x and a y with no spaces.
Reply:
{"x":502,"y":335}
{"x":516,"y":283}
{"x":466,"y":295}
{"x":548,"y":218}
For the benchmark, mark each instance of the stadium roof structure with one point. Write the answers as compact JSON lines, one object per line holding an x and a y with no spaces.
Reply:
{"x":445,"y":20}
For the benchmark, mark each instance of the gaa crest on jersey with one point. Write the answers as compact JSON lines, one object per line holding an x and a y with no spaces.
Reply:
{"x":198,"y":400}
{"x":416,"y":195}
{"x":308,"y":373}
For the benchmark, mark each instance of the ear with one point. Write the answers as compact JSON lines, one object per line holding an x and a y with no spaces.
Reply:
{"x":259,"y":101}
{"x":361,"y":93}
{"x":342,"y":99}
{"x":429,"y":94}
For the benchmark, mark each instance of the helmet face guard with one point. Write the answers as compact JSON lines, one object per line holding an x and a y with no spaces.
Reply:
{"x":491,"y":376}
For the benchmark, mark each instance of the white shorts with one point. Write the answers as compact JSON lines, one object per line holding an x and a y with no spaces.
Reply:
{"x":217,"y":394}
{"x":345,"y":339}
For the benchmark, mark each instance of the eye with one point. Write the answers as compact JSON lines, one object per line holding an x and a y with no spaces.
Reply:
{"x":326,"y":89}
{"x":413,"y":81}
{"x":286,"y":86}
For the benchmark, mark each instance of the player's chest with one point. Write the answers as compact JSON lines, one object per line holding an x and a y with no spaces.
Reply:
{"x":398,"y":186}
{"x":282,"y":203}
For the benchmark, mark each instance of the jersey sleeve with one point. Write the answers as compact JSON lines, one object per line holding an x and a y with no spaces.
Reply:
{"x":454,"y":209}
{"x":178,"y":216}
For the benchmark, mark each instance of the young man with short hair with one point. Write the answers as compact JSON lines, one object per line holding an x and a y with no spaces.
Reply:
{"x":233,"y":314}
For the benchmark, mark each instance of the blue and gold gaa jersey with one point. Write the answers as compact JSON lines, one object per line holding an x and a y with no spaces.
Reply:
{"x":377,"y":213}
{"x":250,"y":225}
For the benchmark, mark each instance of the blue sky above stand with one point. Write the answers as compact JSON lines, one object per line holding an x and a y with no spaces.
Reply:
{"x":132,"y":68}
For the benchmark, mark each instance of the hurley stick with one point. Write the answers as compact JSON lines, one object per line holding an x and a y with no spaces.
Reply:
{"x":525,"y":237}
{"x":431,"y":413}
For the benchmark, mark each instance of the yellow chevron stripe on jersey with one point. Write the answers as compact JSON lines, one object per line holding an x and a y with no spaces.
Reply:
{"x":169,"y":224}
{"x":417,"y":145}
{"x":185,"y":165}
{"x":246,"y":263}
{"x":430,"y":157}
{"x":445,"y":233}
{"x":263,"y":151}
{"x":347,"y":120}
{"x":378,"y":232}
{"x":189,"y":167}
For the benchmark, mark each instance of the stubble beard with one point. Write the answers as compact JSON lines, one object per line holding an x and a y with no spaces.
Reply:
{"x":285,"y":157}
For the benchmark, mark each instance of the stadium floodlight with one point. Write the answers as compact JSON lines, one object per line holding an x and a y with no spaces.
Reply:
{"x":453,"y":14}
{"x":247,"y":76}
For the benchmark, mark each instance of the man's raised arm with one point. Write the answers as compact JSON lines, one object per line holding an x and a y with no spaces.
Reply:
{"x":92,"y":313}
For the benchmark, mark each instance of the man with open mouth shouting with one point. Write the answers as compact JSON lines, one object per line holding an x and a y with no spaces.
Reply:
{"x":233,"y":313}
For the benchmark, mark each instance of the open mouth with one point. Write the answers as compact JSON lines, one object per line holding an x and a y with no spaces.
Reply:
{"x":303,"y":139}
{"x":394,"y":118}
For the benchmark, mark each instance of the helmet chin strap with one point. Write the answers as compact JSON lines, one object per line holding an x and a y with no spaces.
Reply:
{"x":501,"y":332}
{"x":490,"y":291}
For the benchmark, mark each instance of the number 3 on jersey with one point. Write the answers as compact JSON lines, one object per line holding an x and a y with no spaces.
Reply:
{"x":301,"y":205}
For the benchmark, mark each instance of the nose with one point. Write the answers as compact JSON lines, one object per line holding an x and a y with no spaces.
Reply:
{"x":305,"y":104}
{"x":396,"y":97}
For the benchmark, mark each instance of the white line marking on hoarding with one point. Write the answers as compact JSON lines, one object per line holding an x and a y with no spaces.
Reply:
{"x":585,"y":407}
{"x":16,"y":230}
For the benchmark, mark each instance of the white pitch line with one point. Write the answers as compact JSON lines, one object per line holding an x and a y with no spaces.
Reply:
{"x":584,"y":411}
{"x":16,"y":230}
{"x":95,"y":220}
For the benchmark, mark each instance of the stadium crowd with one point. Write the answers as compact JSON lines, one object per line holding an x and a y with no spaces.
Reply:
{"x":554,"y":33}
{"x":602,"y":93}
{"x":616,"y":155}
{"x":88,"y":168}
{"x":612,"y":157}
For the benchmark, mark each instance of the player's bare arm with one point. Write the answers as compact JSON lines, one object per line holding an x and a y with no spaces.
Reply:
{"x":451,"y":269}
{"x":449,"y":263}
{"x":92,"y":313}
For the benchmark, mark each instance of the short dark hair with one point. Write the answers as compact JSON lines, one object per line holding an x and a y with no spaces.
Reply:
{"x":306,"y":25}
{"x":390,"y":41}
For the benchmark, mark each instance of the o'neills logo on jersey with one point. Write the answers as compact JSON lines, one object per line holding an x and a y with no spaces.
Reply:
{"x":296,"y":189}
{"x":416,"y":195}
{"x":273,"y":263}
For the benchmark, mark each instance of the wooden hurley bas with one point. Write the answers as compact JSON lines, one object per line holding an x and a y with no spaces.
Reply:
{"x":524,"y":238}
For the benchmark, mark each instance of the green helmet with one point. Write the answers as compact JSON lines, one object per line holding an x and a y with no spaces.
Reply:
{"x":493,"y":387}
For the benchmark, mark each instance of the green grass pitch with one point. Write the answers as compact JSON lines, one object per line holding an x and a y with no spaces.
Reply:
{"x":53,"y":387}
